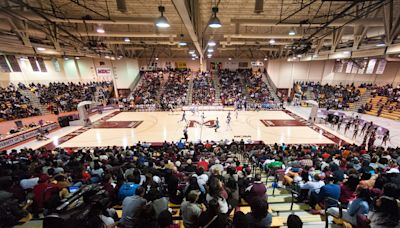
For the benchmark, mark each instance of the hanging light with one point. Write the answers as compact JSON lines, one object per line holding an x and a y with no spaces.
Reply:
{"x":181,"y":42}
{"x":66,"y":58}
{"x":271,"y":41}
{"x":209,"y":55}
{"x":380,"y":44}
{"x":127,"y":39}
{"x":191,"y":52}
{"x":210,"y":50}
{"x":194,"y":54}
{"x":112,"y":58}
{"x":100,"y":29}
{"x":229,"y":59}
{"x":162,"y":21}
{"x":41,"y":49}
{"x":265,"y":59}
{"x":292,"y":33}
{"x":193,"y":58}
{"x":214,"y":22}
{"x":211,"y":43}
{"x":156,"y":58}
{"x":77,"y":57}
{"x":107,"y":57}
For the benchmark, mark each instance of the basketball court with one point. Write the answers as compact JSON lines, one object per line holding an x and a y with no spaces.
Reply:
{"x":127,"y":128}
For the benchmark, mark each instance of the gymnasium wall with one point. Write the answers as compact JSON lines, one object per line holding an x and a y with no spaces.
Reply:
{"x":284,"y":73}
{"x":122,"y":71}
{"x":194,"y":65}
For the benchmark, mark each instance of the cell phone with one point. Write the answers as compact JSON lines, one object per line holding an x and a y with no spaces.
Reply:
{"x":73,"y":189}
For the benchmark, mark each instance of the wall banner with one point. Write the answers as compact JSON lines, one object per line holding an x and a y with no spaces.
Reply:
{"x":103,"y":72}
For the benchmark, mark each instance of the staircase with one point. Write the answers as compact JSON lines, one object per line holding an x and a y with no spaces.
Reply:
{"x":162,"y":88}
{"x":189,"y":94}
{"x":34,"y":101}
{"x":272,"y":92}
{"x":364,"y":98}
{"x":217,"y":88}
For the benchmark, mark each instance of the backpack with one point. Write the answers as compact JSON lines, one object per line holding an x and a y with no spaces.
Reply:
{"x":127,"y":189}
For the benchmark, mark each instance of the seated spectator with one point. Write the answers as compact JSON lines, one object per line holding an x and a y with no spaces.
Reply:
{"x":131,"y":208}
{"x":191,"y":210}
{"x":330,"y":189}
{"x":259,"y":215}
{"x":256,"y":191}
{"x":212,"y":217}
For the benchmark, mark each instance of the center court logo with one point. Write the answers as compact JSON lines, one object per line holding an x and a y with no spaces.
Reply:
{"x":195,"y":123}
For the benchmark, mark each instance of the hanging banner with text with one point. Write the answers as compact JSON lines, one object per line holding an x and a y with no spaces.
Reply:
{"x":104,"y":72}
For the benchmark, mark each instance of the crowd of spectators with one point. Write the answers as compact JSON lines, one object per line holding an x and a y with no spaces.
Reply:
{"x":146,"y":92}
{"x":175,"y":89}
{"x":203,"y":89}
{"x":330,"y":96}
{"x":64,"y":97}
{"x":231,"y":87}
{"x":207,"y":180}
{"x":365,"y":184}
{"x":256,"y":88}
{"x":14,"y":105}
{"x":391,"y":104}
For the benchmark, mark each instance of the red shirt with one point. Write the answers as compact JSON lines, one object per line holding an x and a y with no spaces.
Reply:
{"x":203,"y":164}
{"x":326,"y":155}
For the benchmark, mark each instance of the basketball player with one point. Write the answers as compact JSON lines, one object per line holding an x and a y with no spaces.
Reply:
{"x":385,"y":137}
{"x":228,"y":121}
{"x":339,"y":123}
{"x":171,"y":107}
{"x":183,"y":117}
{"x":203,"y":117}
{"x":193,"y":109}
{"x":185,"y":133}
{"x":237,"y":113}
{"x":216,"y":125}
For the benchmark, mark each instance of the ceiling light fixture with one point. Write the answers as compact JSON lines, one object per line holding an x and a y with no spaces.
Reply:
{"x":271,"y":41}
{"x":77,"y":57}
{"x":265,"y":59}
{"x":292,"y":33}
{"x":193,"y":58}
{"x":209,"y":55}
{"x":214,"y":22}
{"x":127,"y":39}
{"x":156,"y":58}
{"x":210,"y":50}
{"x":194,"y":54}
{"x":66,"y":58}
{"x":112,"y":58}
{"x":229,"y":59}
{"x":211,"y":43}
{"x":41,"y":49}
{"x":162,"y":21}
{"x":182,"y":43}
{"x":380,"y":44}
{"x":100,"y":29}
{"x":107,"y":57}
{"x":191,"y":52}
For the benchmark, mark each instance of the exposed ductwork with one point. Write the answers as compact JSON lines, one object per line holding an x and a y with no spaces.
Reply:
{"x":266,"y":36}
{"x":114,"y":20}
{"x":337,"y":23}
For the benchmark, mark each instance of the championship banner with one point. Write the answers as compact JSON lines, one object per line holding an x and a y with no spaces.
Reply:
{"x":104,"y":72}
{"x":181,"y":65}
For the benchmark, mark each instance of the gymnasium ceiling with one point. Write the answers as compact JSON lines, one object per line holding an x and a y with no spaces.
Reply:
{"x":322,"y":28}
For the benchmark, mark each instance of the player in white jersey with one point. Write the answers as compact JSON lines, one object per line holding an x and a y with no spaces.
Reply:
{"x":228,"y":122}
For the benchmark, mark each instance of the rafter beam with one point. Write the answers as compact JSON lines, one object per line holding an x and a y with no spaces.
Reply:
{"x":185,"y":17}
{"x":336,"y":38}
{"x":359,"y":34}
